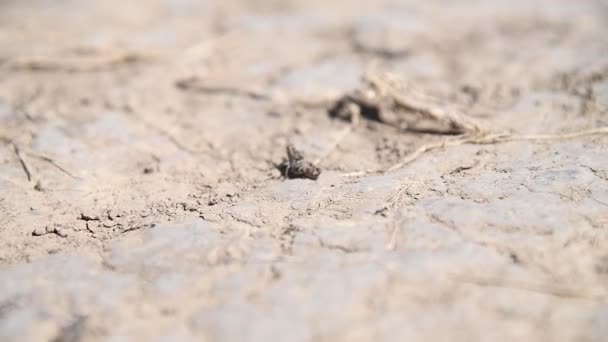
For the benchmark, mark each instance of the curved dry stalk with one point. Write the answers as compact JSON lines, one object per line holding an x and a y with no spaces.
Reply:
{"x":339,"y":138}
{"x":334,"y":145}
{"x":423,"y":149}
{"x":23,"y":163}
{"x":562,"y":136}
{"x":483,"y":139}
{"x":76,"y":64}
{"x":53,"y":162}
{"x":551,"y":289}
{"x":19,"y":153}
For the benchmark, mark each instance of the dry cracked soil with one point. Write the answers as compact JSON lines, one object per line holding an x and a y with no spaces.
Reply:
{"x":140,"y":197}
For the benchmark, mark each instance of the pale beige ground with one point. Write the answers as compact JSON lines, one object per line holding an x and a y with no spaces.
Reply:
{"x":155,"y":212}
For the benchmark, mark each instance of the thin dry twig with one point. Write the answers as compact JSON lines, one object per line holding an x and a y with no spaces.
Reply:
{"x":562,"y":136}
{"x":180,"y":145}
{"x":196,"y":85}
{"x":38,"y":155}
{"x":22,"y":161}
{"x":544,"y":288}
{"x":78,"y":64}
{"x":423,"y":149}
{"x":483,"y":139}
{"x":110,"y":58}
{"x":334,"y":145}
{"x":354,"y":121}
{"x":492,"y":138}
{"x":21,"y":105}
{"x":52,"y":162}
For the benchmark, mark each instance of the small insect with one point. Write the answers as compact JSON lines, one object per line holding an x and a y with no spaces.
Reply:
{"x":296,"y":167}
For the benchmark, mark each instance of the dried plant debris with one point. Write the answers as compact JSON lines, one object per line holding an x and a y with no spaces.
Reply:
{"x":296,"y":167}
{"x":82,"y":62}
{"x":196,"y":84}
{"x":401,"y":105}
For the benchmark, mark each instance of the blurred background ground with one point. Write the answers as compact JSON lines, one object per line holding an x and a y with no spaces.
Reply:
{"x":153,"y":211}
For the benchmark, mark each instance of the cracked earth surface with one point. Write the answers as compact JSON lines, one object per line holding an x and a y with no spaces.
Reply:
{"x":152,"y":208}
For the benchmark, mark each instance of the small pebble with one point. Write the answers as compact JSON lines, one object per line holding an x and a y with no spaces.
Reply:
{"x":60,"y":231}
{"x":39,"y":231}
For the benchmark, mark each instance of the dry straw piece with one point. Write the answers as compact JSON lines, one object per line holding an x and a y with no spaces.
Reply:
{"x":449,"y":120}
{"x":409,"y":99}
{"x":89,"y":63}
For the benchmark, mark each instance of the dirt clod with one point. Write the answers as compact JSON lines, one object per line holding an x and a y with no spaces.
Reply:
{"x":296,"y":167}
{"x":88,"y":217}
{"x":38,"y":186}
{"x":50,"y":229}
{"x":39,"y":231}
